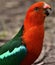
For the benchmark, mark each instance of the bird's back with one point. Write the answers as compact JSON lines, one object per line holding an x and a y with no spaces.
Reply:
{"x":13,"y":52}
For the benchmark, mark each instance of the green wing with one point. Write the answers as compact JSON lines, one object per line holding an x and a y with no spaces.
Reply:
{"x":15,"y":42}
{"x":15,"y":57}
{"x":13,"y":52}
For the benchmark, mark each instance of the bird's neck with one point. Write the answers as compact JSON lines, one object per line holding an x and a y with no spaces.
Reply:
{"x":31,"y":23}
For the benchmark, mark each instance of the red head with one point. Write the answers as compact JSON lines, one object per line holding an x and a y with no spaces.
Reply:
{"x":36,"y":14}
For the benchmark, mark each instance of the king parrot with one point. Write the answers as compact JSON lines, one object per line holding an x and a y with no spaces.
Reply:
{"x":26,"y":46}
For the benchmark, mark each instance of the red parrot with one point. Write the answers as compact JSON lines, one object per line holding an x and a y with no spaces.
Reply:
{"x":26,"y":46}
{"x":33,"y":33}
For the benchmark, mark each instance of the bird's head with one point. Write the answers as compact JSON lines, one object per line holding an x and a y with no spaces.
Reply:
{"x":38,"y":11}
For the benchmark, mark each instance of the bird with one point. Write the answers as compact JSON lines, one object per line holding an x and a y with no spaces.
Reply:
{"x":27,"y":44}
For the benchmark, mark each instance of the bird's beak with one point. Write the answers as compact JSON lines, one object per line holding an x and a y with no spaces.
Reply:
{"x":47,"y":9}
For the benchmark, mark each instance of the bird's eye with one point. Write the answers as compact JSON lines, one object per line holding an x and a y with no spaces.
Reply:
{"x":36,"y":8}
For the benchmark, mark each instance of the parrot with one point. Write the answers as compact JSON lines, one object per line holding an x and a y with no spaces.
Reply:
{"x":25,"y":47}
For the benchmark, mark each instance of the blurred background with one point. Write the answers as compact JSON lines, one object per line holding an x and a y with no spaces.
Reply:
{"x":12,"y":14}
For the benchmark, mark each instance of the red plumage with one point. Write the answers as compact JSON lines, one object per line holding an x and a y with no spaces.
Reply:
{"x":33,"y":33}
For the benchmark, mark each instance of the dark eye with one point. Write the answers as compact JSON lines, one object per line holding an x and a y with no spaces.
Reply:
{"x":36,"y":8}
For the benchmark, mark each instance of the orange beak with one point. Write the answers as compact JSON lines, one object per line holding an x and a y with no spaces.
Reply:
{"x":47,"y":8}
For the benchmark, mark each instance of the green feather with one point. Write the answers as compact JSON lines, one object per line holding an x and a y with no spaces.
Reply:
{"x":15,"y":42}
{"x":13,"y":58}
{"x":13,"y":52}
